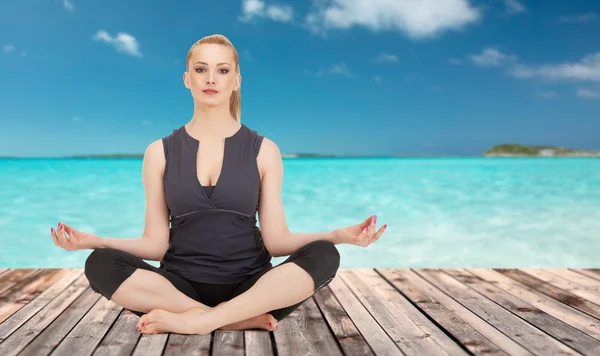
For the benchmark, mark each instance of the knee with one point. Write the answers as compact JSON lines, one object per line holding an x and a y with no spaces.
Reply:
{"x":328,"y":255}
{"x":98,"y":263}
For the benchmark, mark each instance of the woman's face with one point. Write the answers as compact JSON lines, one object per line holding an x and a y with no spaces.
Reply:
{"x":211,"y":66}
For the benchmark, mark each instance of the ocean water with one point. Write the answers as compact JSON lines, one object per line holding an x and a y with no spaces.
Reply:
{"x":441,"y":212}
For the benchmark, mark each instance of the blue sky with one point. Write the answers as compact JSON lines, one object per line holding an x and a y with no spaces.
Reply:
{"x":451,"y":77}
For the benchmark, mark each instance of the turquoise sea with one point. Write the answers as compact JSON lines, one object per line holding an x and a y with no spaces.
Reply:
{"x":441,"y":212}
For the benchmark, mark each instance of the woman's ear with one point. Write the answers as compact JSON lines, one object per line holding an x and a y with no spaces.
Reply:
{"x":185,"y":82}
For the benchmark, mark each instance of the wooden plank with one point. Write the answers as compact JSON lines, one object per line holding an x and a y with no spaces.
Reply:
{"x":407,"y":315}
{"x":516,"y":328}
{"x":258,"y":343}
{"x":593,"y":273}
{"x":475,"y":334}
{"x":304,"y":332}
{"x":12,"y":277}
{"x":564,"y":284}
{"x":565,"y":333}
{"x":3,"y":270}
{"x":409,"y":337}
{"x":348,"y":336}
{"x":571,"y":316}
{"x":374,"y":335}
{"x":151,"y":345}
{"x":179,"y":344}
{"x":122,"y":336}
{"x":90,"y":330}
{"x":61,"y":326}
{"x":579,"y":276}
{"x":19,"y":339}
{"x":563,"y":296}
{"x":19,"y":298}
{"x":227,"y":342}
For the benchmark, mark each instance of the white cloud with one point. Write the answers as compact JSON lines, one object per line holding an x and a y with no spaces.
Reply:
{"x":491,"y":57}
{"x":385,"y":57}
{"x":377,"y":79}
{"x":338,"y":69}
{"x":587,"y":69}
{"x":455,"y":61}
{"x":123,"y":42}
{"x":9,"y":48}
{"x":68,"y":5}
{"x":417,"y":19}
{"x":588,"y":93}
{"x":259,"y":9}
{"x":514,"y":7}
{"x":580,"y":18}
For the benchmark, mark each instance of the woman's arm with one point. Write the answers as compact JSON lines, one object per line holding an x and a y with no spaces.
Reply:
{"x":278,"y":240}
{"x":153,"y":244}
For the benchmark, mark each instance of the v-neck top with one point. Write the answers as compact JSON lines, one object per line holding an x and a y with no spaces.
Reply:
{"x":214,"y":237}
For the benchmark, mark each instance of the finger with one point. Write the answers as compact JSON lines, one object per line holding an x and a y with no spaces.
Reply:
{"x":377,"y":235}
{"x":361,"y":237}
{"x":367,"y":232}
{"x":54,"y":237}
{"x":68,"y":228}
{"x":62,"y":238}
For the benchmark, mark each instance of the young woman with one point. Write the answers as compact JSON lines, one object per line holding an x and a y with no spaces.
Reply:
{"x":204,"y":184}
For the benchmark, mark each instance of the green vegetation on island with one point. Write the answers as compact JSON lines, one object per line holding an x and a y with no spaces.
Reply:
{"x":516,"y":150}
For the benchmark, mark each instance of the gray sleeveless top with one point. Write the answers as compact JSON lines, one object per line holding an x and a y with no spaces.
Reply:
{"x":214,"y":237}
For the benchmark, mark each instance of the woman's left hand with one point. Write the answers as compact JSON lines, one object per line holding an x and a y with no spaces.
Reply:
{"x":362,"y":234}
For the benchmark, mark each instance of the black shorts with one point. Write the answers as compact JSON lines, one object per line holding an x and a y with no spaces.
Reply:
{"x":106,"y":269}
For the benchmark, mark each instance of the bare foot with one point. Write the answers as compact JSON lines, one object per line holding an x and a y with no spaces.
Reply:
{"x":161,"y":321}
{"x":265,"y":321}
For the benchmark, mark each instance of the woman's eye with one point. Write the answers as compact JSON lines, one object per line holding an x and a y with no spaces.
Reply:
{"x":198,"y":70}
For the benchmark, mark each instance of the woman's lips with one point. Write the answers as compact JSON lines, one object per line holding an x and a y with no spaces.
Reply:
{"x":210,"y":91}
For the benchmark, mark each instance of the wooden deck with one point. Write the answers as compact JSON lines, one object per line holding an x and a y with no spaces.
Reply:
{"x":361,"y":312}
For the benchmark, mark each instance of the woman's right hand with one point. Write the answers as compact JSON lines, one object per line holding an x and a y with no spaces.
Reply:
{"x":76,"y":240}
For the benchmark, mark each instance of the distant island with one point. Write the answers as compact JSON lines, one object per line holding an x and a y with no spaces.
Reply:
{"x":503,"y":150}
{"x":516,"y":150}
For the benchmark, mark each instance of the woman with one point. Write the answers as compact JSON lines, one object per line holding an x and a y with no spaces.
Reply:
{"x":204,"y":184}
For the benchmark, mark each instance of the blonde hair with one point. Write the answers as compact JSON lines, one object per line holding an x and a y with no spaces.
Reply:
{"x":235,"y":101}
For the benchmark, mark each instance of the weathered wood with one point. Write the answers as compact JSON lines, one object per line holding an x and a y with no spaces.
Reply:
{"x":374,"y":335}
{"x":304,"y":332}
{"x":18,"y":297}
{"x":122,"y":337}
{"x":151,"y":345}
{"x":23,"y":314}
{"x":571,"y":316}
{"x":197,"y":345}
{"x":361,"y":312}
{"x":227,"y":343}
{"x":466,"y":327}
{"x":14,"y":276}
{"x":561,"y":295}
{"x":258,"y":343}
{"x":90,"y":330}
{"x":517,"y":329}
{"x":564,"y":284}
{"x":565,"y":333}
{"x":14,"y":343}
{"x":348,"y":336}
{"x":61,"y":326}
{"x":409,"y":337}
{"x":582,"y":277}
{"x":406,"y":314}
{"x":593,"y":273}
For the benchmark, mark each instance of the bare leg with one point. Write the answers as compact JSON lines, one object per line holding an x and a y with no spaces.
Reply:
{"x":146,"y":290}
{"x":282,"y":286}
